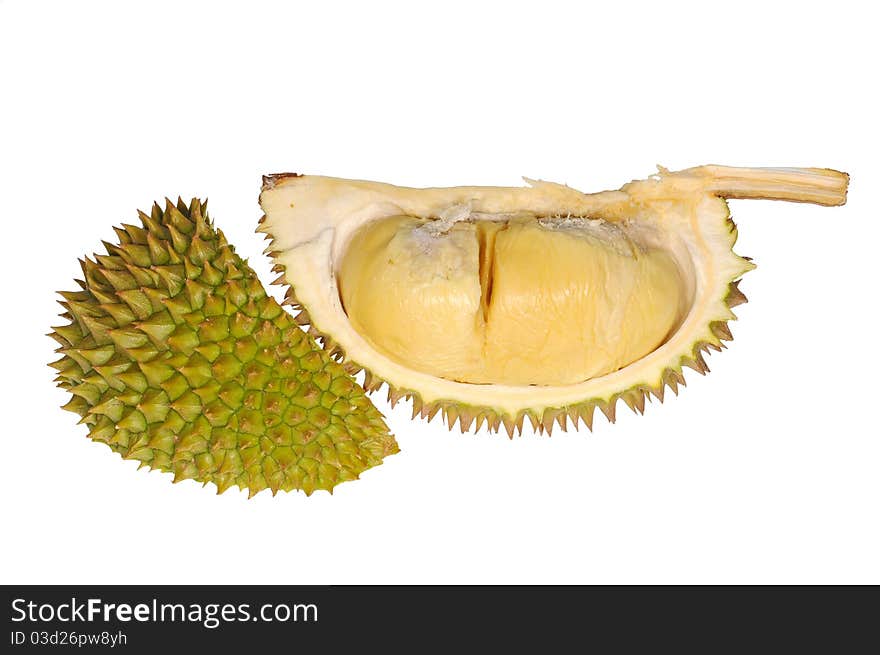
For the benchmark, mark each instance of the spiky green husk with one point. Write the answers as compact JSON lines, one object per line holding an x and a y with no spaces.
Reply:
{"x":175,"y":356}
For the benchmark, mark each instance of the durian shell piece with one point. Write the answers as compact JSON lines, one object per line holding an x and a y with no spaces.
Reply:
{"x":176,"y":357}
{"x":309,"y":219}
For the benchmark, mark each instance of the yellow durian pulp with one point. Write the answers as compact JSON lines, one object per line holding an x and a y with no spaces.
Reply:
{"x":512,"y":301}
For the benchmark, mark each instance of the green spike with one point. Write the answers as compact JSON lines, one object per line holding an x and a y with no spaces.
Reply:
{"x":134,"y":380}
{"x":241,"y":325}
{"x":138,"y":302}
{"x":81,"y":298}
{"x":81,"y":309}
{"x":123,"y":236}
{"x":157,"y":298}
{"x":197,"y":370}
{"x":162,"y":441}
{"x":146,"y":353}
{"x":121,"y":280}
{"x":119,"y":312}
{"x":104,"y":429}
{"x":105,"y":296}
{"x":158,"y":327}
{"x":78,"y":405}
{"x":201,"y":251}
{"x":184,"y":339}
{"x":128,"y":338}
{"x":198,"y":214}
{"x":215,"y":305}
{"x":178,"y":240}
{"x":155,"y":405}
{"x":156,"y":372}
{"x":133,"y":421}
{"x":158,"y":250}
{"x":235,"y":296}
{"x":110,"y":372}
{"x":136,"y":234}
{"x":196,"y":292}
{"x":227,"y":261}
{"x":137,"y":255}
{"x":191,"y":270}
{"x":188,"y":406}
{"x":113,"y":251}
{"x":175,"y":386}
{"x":211,"y":275}
{"x":176,"y":219}
{"x":144,"y":277}
{"x":96,"y":381}
{"x":109,"y":263}
{"x":112,"y":408}
{"x":182,"y":207}
{"x":99,"y":329}
{"x":69,"y":333}
{"x":92,"y":274}
{"x":97,"y":356}
{"x":172,"y":276}
{"x":143,"y":454}
{"x":210,"y":351}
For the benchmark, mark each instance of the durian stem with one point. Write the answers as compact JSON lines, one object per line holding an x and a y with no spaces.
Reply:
{"x":821,"y":186}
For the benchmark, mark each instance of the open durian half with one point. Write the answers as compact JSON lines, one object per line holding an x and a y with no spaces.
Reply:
{"x":497,"y":305}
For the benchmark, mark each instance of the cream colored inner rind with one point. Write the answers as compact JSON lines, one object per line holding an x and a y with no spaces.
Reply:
{"x":518,"y":301}
{"x":311,"y":220}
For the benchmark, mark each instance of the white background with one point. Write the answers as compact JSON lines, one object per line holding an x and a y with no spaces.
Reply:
{"x":767,"y":470}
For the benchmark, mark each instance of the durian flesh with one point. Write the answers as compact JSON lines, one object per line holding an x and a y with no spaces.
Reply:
{"x":504,"y":304}
{"x":519,"y":301}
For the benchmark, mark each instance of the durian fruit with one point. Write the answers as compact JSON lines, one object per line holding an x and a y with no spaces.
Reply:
{"x":498,"y":305}
{"x":175,"y":356}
